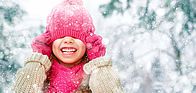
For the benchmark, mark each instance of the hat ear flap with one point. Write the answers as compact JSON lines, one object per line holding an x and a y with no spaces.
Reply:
{"x":42,"y":44}
{"x":95,"y":48}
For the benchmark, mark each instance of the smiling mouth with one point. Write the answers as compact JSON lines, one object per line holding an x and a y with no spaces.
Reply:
{"x":68,"y":50}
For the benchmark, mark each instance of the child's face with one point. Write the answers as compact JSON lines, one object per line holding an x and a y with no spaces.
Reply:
{"x":69,"y":50}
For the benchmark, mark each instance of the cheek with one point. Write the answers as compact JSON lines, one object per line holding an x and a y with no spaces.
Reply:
{"x":83,"y":48}
{"x":55,"y":46}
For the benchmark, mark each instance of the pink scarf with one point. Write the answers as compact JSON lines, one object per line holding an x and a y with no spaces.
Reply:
{"x":63,"y":79}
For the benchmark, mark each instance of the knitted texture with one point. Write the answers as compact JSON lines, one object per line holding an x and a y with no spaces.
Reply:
{"x":103,"y":79}
{"x":70,"y":18}
{"x":42,"y":44}
{"x":31,"y":77}
{"x":65,"y":79}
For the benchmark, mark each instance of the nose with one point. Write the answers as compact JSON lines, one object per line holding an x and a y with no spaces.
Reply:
{"x":68,"y":40}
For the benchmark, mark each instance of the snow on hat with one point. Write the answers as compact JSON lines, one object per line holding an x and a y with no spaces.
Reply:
{"x":70,"y":18}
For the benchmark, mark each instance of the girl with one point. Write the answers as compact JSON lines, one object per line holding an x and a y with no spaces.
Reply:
{"x":68,"y":57}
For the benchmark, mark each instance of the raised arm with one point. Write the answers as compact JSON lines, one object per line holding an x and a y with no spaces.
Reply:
{"x":31,"y":77}
{"x":103,"y":79}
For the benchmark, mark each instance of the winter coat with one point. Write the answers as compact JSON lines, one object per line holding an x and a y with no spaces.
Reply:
{"x":98,"y":77}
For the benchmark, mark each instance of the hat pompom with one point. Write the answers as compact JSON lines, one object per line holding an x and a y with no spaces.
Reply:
{"x":74,"y":2}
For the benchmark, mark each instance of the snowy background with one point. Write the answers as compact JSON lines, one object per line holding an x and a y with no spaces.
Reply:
{"x":152,"y":42}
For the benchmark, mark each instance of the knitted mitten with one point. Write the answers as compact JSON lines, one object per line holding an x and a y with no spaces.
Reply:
{"x":102,"y":78}
{"x":31,"y":77}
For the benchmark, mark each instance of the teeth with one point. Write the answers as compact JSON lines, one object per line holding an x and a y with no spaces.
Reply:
{"x":68,"y":50}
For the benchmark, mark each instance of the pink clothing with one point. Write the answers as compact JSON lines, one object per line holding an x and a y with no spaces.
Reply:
{"x":65,"y":80}
{"x":70,"y":18}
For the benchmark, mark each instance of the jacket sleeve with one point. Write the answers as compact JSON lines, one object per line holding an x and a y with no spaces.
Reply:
{"x":31,"y":77}
{"x":103,"y":79}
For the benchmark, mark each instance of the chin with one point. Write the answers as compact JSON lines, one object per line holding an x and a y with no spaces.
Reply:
{"x":69,"y":60}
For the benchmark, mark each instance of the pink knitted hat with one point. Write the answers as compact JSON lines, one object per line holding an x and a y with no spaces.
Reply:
{"x":70,"y":18}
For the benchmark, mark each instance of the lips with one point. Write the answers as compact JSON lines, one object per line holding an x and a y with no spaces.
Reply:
{"x":68,"y":50}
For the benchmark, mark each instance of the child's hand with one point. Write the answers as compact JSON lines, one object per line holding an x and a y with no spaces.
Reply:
{"x":28,"y":79}
{"x":31,"y":77}
{"x":103,"y":79}
{"x":42,"y":44}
